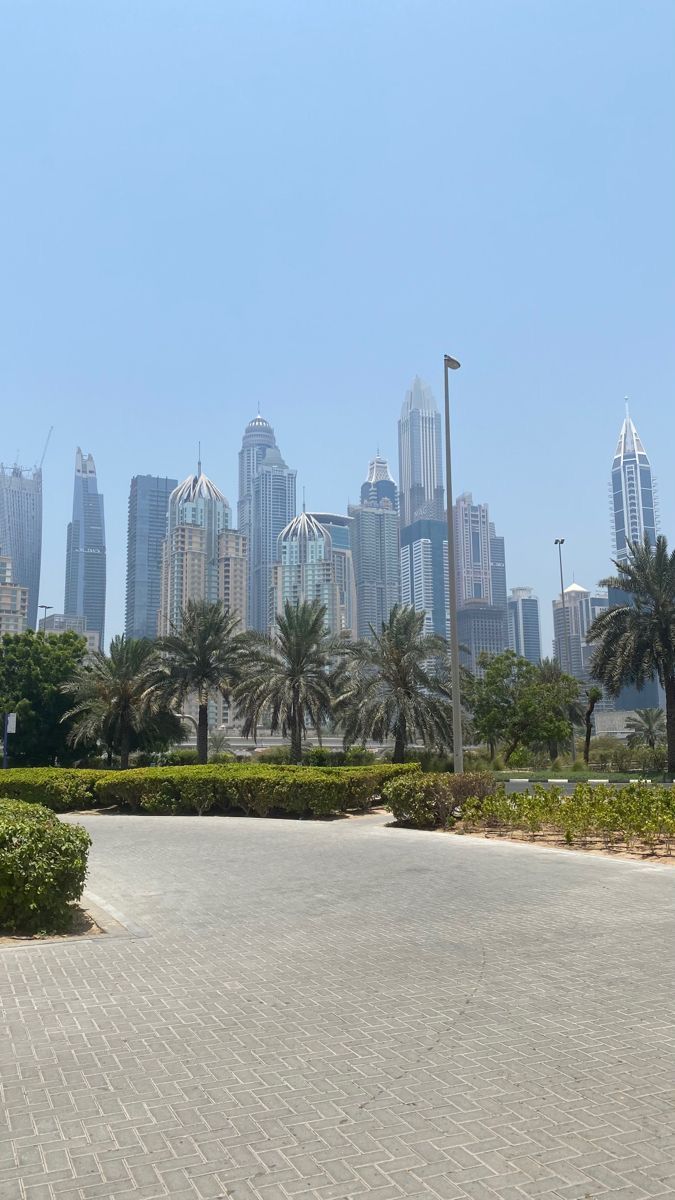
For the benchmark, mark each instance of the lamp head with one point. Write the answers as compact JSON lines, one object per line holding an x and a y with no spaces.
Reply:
{"x":451,"y":362}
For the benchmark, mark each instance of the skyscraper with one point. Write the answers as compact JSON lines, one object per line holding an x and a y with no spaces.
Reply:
{"x":306,"y":571}
{"x":197,"y":515}
{"x":13,"y":600}
{"x":581,"y":609}
{"x":21,"y":530}
{"x":272,"y":507}
{"x":634,"y":514}
{"x":233,"y":574}
{"x":424,"y":572}
{"x":632,"y":488}
{"x":375,"y":548}
{"x":146,"y":530}
{"x":524,"y":625}
{"x":258,"y":438}
{"x":481,"y":582}
{"x":340,"y":530}
{"x":419,"y":456}
{"x":85,"y":550}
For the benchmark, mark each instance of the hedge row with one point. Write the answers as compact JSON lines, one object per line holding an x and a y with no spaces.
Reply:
{"x":255,"y":789}
{"x":618,"y":816}
{"x":43,"y":863}
{"x":428,"y":801}
{"x":252,"y":789}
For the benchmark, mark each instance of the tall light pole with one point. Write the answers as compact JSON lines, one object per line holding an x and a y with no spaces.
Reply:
{"x":560,"y":542}
{"x":451,"y":364}
{"x":45,"y":609}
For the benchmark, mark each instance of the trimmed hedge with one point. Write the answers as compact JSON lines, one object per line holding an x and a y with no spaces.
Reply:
{"x":43,"y":864}
{"x":256,"y":790}
{"x":428,"y":801}
{"x":59,"y":788}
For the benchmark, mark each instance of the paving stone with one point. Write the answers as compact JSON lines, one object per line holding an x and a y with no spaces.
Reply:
{"x":336,"y":1011}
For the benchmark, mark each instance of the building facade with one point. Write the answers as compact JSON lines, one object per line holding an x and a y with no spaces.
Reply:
{"x":340,"y":529}
{"x":146,"y":530}
{"x":376,"y":549}
{"x":233,"y":574}
{"x":258,"y":438}
{"x":85,"y":588}
{"x":482,"y":629}
{"x":14,"y":600}
{"x":21,"y":530}
{"x":482,"y":599}
{"x":56,"y":623}
{"x":420,"y":458}
{"x":273,"y":507}
{"x":524,"y":624}
{"x":633,"y":503}
{"x":580,"y":611}
{"x":305,"y":571}
{"x":424,"y":572}
{"x":198,"y":514}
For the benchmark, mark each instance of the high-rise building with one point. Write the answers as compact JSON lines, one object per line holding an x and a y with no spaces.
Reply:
{"x":634,"y":514}
{"x":305,"y":570}
{"x":634,"y":511}
{"x":56,"y":623}
{"x":13,"y":600}
{"x":258,"y":438}
{"x":498,"y":569}
{"x":482,"y":628}
{"x":424,"y":572}
{"x":340,"y":529}
{"x":375,"y":549}
{"x":198,"y":514}
{"x":419,"y":456}
{"x":85,"y":549}
{"x":578,"y":619}
{"x":272,"y":507}
{"x":21,"y":530}
{"x":233,"y":574}
{"x":524,"y":625}
{"x":146,"y":530}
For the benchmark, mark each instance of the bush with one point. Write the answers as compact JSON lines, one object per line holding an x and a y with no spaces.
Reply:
{"x":258,"y":789}
{"x":43,"y":864}
{"x":59,"y":788}
{"x":428,"y":801}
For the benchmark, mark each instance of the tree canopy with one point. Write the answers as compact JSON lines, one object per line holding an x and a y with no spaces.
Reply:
{"x":513,"y":703}
{"x":33,"y":669}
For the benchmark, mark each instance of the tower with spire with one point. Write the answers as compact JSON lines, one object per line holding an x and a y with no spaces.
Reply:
{"x":198,"y":514}
{"x":419,"y":456}
{"x":633,"y":501}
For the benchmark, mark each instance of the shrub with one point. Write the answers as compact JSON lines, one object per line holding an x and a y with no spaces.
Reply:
{"x":428,"y":801}
{"x":256,"y":789}
{"x":59,"y":788}
{"x":43,"y":863}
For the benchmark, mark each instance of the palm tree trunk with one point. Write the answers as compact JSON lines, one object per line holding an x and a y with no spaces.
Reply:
{"x":589,"y":729}
{"x":124,"y":749}
{"x":400,"y":742}
{"x":203,"y":733}
{"x":296,"y":734}
{"x":670,"y":723}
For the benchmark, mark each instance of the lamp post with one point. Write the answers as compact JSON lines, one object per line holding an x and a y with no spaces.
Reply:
{"x":451,"y":364}
{"x":560,"y":542}
{"x":45,"y":608}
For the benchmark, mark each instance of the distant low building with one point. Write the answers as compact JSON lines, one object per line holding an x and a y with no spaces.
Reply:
{"x":63,"y":623}
{"x":13,"y":600}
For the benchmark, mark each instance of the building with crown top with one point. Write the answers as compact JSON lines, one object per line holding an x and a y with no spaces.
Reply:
{"x":307,"y":570}
{"x":420,"y":473}
{"x":634,"y":511}
{"x":197,"y":515}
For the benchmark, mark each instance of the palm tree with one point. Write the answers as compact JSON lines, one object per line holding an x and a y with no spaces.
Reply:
{"x":647,"y":727}
{"x":636,"y":640}
{"x":392,"y":690}
{"x":593,"y":695}
{"x":113,"y":704}
{"x":292,"y":676}
{"x":202,"y":657}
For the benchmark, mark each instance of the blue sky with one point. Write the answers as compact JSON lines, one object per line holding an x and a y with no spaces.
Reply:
{"x":209,"y":206}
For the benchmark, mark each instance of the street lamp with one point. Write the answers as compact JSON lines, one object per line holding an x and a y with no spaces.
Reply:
{"x":45,"y":609}
{"x":451,"y":364}
{"x":560,"y":542}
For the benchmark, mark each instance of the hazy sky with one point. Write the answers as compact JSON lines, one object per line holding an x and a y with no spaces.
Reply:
{"x":208,"y":206}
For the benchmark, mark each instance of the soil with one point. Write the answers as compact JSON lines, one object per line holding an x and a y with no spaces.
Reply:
{"x":554,"y":840}
{"x":83,"y":926}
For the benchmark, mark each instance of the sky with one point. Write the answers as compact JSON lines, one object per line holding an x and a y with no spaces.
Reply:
{"x":209,"y":206}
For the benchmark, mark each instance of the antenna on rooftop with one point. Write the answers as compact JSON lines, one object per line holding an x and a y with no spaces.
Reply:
{"x":47,"y":439}
{"x":303,"y":498}
{"x":199,"y":459}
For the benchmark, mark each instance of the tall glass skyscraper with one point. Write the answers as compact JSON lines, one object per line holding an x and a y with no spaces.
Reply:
{"x":85,"y":550}
{"x":419,"y":456}
{"x":21,"y":530}
{"x":272,"y":507}
{"x":424,"y":572}
{"x":524,"y":625}
{"x":375,"y":548}
{"x":146,"y":530}
{"x":633,"y":502}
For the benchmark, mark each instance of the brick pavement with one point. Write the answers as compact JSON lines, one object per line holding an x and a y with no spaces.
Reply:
{"x":344,"y":1010}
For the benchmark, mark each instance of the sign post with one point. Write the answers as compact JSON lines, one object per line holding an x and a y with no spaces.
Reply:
{"x":9,"y":726}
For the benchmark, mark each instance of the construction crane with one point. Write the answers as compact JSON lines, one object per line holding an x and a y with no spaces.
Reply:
{"x":51,"y":430}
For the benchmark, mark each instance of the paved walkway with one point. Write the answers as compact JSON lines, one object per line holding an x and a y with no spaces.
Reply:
{"x":344,"y":1010}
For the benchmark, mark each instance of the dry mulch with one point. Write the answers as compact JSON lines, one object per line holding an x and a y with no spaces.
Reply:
{"x":83,"y":926}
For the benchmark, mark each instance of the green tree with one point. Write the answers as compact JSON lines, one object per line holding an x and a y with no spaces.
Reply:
{"x":33,"y":669}
{"x":115,"y":704}
{"x":291,"y":677}
{"x":550,"y":672}
{"x":393,"y":689}
{"x":515,"y":704}
{"x":647,"y":727}
{"x":636,"y":641}
{"x":593,"y":695}
{"x":202,"y":658}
